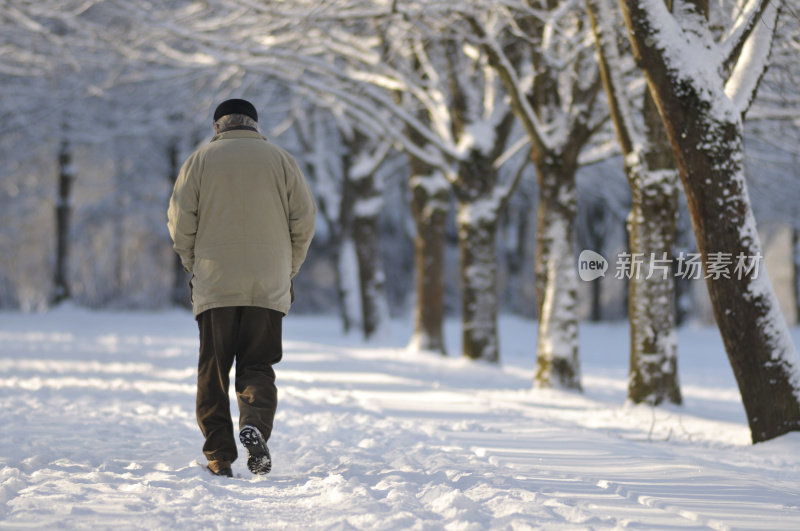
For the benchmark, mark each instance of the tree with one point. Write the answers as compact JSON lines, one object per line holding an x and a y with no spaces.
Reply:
{"x":363,"y":158}
{"x":437,"y":100}
{"x":544,"y":59}
{"x":651,"y":222}
{"x":66,"y":175}
{"x":796,"y":271}
{"x":702,"y":88}
{"x":430,"y":192}
{"x":320,"y":136}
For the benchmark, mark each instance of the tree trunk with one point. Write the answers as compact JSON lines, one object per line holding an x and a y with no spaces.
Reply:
{"x":476,"y":239}
{"x":367,"y":205}
{"x":180,"y":295}
{"x":66,"y":175}
{"x":653,"y":374}
{"x":707,"y":140}
{"x":796,"y":271}
{"x":347,"y":281}
{"x":557,"y":361}
{"x":370,"y":270}
{"x":754,"y":332}
{"x":340,"y":223}
{"x":429,"y":207}
{"x":328,"y":171}
{"x":652,"y":225}
{"x":596,"y":239}
{"x":477,"y":230}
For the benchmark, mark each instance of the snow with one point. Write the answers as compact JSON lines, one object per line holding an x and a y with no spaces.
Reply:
{"x":478,"y":136}
{"x":480,"y":210}
{"x":433,"y":183}
{"x":368,"y":207}
{"x":349,"y":280}
{"x":558,"y":335}
{"x":98,"y":430}
{"x":746,"y":75}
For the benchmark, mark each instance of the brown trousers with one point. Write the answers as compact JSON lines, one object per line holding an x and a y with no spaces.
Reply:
{"x":252,"y":337}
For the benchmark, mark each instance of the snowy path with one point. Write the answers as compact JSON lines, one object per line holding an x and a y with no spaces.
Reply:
{"x":97,"y":430}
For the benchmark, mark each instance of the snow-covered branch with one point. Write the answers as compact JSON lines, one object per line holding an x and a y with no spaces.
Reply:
{"x":745,"y":24}
{"x":602,"y":16}
{"x":515,"y":87}
{"x":752,"y":59}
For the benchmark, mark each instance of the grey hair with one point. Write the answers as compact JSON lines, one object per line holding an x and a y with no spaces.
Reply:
{"x":230,"y":121}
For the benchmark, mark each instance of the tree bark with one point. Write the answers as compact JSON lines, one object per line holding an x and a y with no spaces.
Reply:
{"x":557,"y":362}
{"x":653,"y":375}
{"x":367,"y":204}
{"x":707,"y":140}
{"x":477,"y":229}
{"x":429,"y":205}
{"x":796,"y":271}
{"x":346,"y":260}
{"x":66,"y":175}
{"x":478,"y":287}
{"x":370,"y":274}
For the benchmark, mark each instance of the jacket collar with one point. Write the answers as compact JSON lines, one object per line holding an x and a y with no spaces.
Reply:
{"x":238,"y":133}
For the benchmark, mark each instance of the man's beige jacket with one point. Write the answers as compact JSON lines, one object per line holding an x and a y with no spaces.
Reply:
{"x":241,"y":218}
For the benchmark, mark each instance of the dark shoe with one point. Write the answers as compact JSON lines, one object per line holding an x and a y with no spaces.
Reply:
{"x":258,"y":460}
{"x":218,"y":467}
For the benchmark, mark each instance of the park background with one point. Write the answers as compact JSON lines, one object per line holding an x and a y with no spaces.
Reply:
{"x":427,"y":130}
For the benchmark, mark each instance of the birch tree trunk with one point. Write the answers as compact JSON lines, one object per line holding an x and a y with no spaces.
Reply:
{"x":706,"y":133}
{"x":557,"y":362}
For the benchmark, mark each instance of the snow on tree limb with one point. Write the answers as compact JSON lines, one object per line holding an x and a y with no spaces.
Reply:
{"x":741,"y":58}
{"x":519,"y":99}
{"x":746,"y":23}
{"x":752,"y":60}
{"x":602,"y":16}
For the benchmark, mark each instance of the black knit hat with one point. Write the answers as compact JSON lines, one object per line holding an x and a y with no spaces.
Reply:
{"x":235,"y":106}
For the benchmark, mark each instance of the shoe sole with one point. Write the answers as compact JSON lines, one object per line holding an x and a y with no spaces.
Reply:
{"x":258,"y":460}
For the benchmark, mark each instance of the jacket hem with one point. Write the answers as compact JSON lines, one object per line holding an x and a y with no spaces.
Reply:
{"x":197,"y":310}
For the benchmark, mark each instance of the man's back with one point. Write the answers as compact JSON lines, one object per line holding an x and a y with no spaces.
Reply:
{"x":253,"y":217}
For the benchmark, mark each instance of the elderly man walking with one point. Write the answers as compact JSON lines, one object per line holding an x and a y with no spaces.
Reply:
{"x":241,"y":218}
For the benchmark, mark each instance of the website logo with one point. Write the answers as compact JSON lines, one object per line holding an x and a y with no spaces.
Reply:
{"x":591,"y":265}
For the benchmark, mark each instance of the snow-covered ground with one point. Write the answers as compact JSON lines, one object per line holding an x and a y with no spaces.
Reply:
{"x":97,"y":431}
